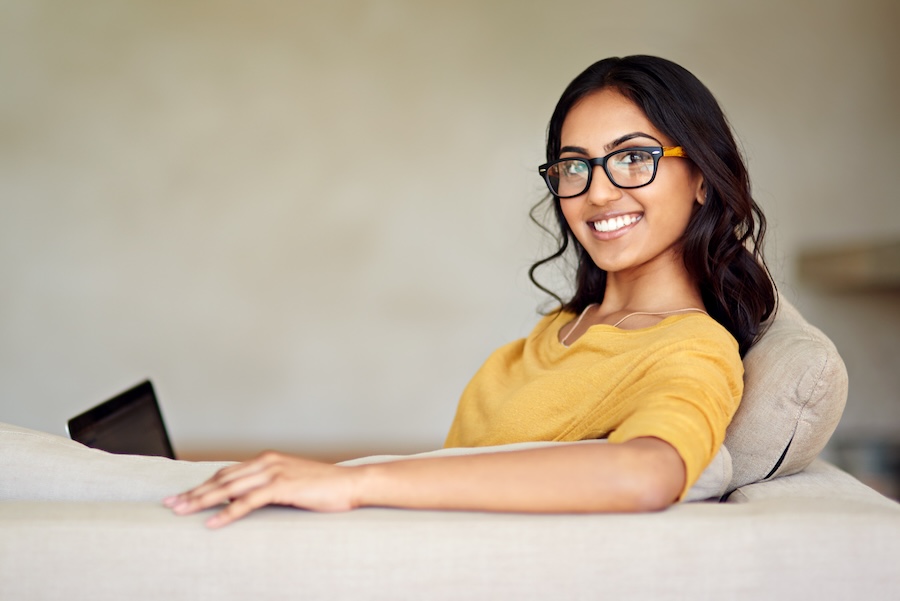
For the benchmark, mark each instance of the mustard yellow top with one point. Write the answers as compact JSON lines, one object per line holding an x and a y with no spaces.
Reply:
{"x":680,"y":380}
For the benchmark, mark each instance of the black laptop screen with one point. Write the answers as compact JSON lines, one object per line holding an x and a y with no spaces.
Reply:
{"x":128,"y":424}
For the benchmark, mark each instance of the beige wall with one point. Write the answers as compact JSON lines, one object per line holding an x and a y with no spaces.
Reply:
{"x":307,"y":222}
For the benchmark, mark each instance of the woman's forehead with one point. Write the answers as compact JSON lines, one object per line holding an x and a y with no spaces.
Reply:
{"x":602,"y":117}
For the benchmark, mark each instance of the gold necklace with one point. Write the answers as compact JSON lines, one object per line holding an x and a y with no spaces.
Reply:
{"x":615,"y":325}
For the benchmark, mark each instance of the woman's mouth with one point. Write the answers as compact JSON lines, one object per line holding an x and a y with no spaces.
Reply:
{"x":615,"y":223}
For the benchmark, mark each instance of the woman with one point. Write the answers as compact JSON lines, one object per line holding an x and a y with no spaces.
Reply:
{"x":650,"y":192}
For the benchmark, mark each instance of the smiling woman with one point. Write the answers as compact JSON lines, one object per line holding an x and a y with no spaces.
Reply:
{"x":631,"y":231}
{"x":670,"y":291}
{"x":714,"y":227}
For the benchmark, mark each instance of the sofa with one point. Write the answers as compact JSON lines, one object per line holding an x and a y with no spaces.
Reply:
{"x":766,"y":520}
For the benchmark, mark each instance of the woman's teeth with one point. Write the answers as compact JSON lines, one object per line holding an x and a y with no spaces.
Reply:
{"x":615,"y":223}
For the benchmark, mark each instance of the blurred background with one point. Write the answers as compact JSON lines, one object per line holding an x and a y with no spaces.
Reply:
{"x":307,"y":222}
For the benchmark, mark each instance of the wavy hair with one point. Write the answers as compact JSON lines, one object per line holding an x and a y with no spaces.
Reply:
{"x":722,"y":244}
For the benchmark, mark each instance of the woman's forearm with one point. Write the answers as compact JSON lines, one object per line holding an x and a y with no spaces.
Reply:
{"x":644,"y":474}
{"x":640,"y":475}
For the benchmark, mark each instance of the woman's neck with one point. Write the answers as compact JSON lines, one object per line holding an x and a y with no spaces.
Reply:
{"x":658,"y":290}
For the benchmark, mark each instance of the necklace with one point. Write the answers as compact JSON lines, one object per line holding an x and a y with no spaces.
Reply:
{"x":672,"y":312}
{"x":615,"y":325}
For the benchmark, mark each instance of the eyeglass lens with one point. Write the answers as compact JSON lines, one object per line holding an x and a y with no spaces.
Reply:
{"x":628,"y":168}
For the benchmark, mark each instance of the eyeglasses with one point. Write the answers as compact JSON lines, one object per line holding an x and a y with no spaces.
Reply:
{"x":627,"y":168}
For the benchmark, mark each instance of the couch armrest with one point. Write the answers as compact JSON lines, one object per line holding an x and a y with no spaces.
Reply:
{"x":819,"y":481}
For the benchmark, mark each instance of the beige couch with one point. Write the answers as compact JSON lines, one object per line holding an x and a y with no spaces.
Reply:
{"x":777,"y":524}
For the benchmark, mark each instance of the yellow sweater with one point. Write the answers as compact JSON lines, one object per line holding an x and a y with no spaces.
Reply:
{"x":679,"y":380}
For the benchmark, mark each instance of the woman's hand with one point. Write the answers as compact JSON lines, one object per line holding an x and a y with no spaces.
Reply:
{"x":643,"y":474}
{"x":271,"y":478}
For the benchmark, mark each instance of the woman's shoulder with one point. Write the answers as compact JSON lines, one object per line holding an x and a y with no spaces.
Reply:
{"x":697,"y":329}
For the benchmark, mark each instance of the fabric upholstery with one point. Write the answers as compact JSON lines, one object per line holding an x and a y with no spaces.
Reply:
{"x":43,"y":467}
{"x":782,"y":545}
{"x":795,"y":389}
{"x":820,"y":480}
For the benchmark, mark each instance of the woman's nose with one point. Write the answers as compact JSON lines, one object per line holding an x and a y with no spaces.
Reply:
{"x":602,"y":190}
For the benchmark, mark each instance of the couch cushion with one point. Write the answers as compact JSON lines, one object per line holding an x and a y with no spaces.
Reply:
{"x":43,"y":467}
{"x":795,"y":389}
{"x":819,"y":480}
{"x":37,"y":466}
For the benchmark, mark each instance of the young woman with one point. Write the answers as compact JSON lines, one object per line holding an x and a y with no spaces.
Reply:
{"x":652,"y":197}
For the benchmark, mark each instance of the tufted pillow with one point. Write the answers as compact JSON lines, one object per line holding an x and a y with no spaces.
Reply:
{"x":795,"y":389}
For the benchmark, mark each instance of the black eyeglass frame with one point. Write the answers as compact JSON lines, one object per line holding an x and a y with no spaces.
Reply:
{"x":657,"y":152}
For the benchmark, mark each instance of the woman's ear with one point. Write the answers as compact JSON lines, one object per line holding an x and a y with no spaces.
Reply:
{"x":701,"y":191}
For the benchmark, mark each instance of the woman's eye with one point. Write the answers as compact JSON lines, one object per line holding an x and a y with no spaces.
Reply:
{"x":574,"y":169}
{"x":633,"y":159}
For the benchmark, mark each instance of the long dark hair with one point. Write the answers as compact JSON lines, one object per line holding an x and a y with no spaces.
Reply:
{"x":722,"y":245}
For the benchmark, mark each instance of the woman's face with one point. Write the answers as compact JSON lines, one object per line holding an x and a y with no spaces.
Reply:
{"x":627,"y":231}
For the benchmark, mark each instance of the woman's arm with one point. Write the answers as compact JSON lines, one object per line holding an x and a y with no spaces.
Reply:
{"x":644,"y":474}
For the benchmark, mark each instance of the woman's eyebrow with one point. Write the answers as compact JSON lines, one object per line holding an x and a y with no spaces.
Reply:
{"x":575,"y":149}
{"x":611,"y":145}
{"x":626,"y":137}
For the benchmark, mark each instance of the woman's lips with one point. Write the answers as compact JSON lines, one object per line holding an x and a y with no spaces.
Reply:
{"x":612,"y":226}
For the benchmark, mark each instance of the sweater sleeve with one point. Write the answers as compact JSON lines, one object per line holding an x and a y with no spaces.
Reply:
{"x":687,"y":398}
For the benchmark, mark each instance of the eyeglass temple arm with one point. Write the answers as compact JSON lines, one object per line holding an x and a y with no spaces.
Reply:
{"x":674,"y":151}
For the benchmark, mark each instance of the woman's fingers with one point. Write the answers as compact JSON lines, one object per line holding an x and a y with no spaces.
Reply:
{"x":226,"y":484}
{"x":210,"y":496}
{"x":271,"y":478}
{"x":240,"y":507}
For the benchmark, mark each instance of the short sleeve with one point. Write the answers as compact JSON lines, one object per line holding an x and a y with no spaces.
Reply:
{"x":687,"y":398}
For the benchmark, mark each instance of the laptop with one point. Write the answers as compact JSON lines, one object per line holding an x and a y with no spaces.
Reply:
{"x":130,"y":423}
